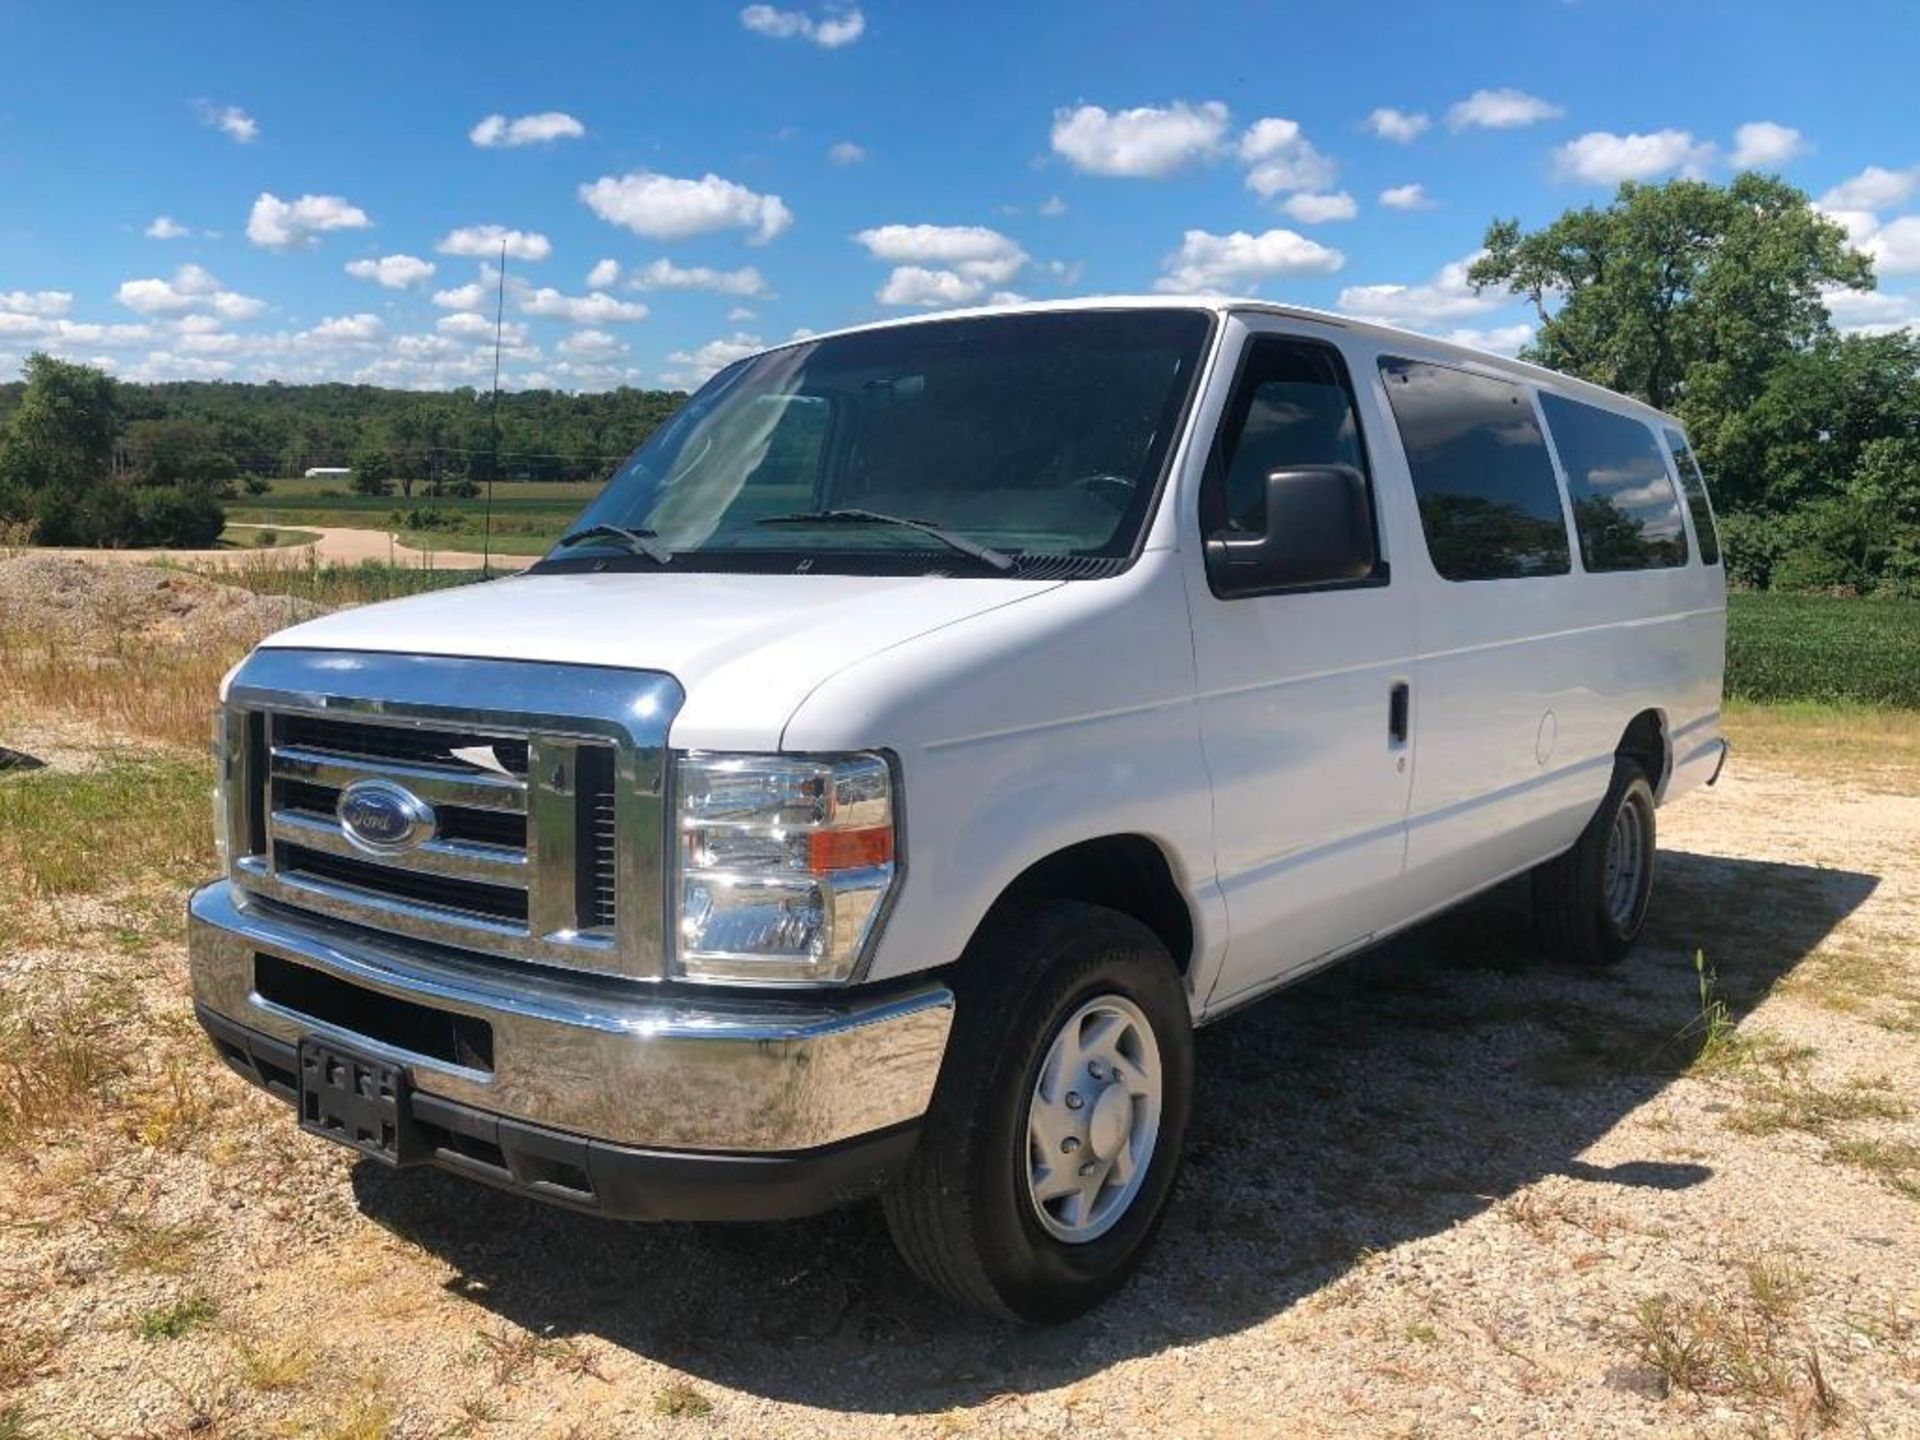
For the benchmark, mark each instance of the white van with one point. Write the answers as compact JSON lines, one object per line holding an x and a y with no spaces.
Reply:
{"x":924,"y":732}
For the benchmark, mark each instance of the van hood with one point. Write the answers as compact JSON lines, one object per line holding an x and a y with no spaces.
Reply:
{"x":747,"y":649}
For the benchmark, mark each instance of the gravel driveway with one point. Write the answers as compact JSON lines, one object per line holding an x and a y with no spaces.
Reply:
{"x":1443,"y":1190}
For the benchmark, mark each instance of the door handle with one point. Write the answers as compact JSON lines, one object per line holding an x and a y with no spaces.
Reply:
{"x":1399,"y":702}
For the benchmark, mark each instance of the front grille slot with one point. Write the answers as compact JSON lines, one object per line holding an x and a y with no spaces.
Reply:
{"x":491,"y":902}
{"x":409,"y":744}
{"x":597,"y":856}
{"x":438,"y":1034}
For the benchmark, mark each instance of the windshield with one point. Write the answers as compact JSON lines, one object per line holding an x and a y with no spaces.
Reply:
{"x":1002,"y":438}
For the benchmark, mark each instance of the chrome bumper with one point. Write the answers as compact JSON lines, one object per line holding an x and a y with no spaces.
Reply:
{"x":597,"y":1058}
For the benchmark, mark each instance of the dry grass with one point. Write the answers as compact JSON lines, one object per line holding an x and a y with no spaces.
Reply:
{"x":1804,"y":735}
{"x":1743,"y":1351}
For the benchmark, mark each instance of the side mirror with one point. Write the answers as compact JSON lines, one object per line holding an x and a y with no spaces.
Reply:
{"x":1319,"y":532}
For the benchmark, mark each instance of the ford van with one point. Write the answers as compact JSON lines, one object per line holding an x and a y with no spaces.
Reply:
{"x":923,"y":733}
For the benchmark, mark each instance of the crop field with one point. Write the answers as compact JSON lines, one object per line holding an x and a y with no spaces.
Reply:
{"x":1813,"y":647}
{"x":1446,"y":1189}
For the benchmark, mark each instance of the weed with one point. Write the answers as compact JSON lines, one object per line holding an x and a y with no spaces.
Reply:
{"x":515,"y":1352}
{"x":14,"y":1424}
{"x":1894,"y":1161}
{"x":1421,"y":1333}
{"x":1799,"y":1104}
{"x":155,"y":1245}
{"x":680,"y":1401}
{"x":183,"y":1317}
{"x":22,"y":1352}
{"x":1775,"y":1287}
{"x":277,"y":1364}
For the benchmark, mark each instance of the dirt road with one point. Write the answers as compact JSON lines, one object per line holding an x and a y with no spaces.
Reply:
{"x":1442,"y":1191}
{"x":335,"y":546}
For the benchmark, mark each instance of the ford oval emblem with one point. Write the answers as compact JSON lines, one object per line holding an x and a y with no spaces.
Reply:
{"x":381,"y":816}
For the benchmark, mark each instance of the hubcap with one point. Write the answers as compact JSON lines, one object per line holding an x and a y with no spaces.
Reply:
{"x":1093,"y":1119}
{"x":1626,"y":864}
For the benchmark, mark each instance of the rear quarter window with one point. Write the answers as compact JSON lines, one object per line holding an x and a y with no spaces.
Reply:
{"x":1489,"y":502}
{"x":1695,"y":486}
{"x":1624,"y":507}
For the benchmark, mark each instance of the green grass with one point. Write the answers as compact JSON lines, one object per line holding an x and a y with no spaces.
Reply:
{"x":361,"y":584}
{"x":267,"y":537}
{"x":1818,"y":648}
{"x":183,"y":1317}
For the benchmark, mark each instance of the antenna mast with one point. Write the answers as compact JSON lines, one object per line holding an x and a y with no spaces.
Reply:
{"x":493,"y":461}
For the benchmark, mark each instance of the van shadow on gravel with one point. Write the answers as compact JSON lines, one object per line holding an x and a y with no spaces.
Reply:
{"x":1377,"y":1103}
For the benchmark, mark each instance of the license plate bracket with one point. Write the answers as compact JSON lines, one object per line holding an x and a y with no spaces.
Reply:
{"x":360,"y":1101}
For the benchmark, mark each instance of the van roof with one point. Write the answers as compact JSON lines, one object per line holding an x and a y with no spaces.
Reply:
{"x":1222,"y":305}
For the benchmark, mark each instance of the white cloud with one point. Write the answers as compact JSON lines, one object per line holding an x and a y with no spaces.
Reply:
{"x":1503,"y":109}
{"x":1602,"y":158}
{"x":361,"y":329}
{"x":604,"y":275}
{"x":1312,"y":208}
{"x":497,"y":131}
{"x":45,"y":303}
{"x":597,"y":308}
{"x":1761,"y":144}
{"x":1208,"y":263}
{"x":472,"y":296}
{"x":591,"y":345}
{"x":1052,"y":208}
{"x":665,"y":275}
{"x":278,"y":224}
{"x":917,"y":285}
{"x":1397,"y":125}
{"x":665,"y":207}
{"x":1406,"y":197}
{"x":1283,"y":159}
{"x":485,"y":241}
{"x":1440,"y":301}
{"x":846,"y":153}
{"x":231,"y":121}
{"x":395,"y":272}
{"x":165,"y":227}
{"x":1874,"y":188}
{"x":1501,"y":340}
{"x":1147,"y":142}
{"x":1871,"y":312}
{"x":974,"y":250}
{"x":1859,"y":224}
{"x":741,"y":312}
{"x":1895,"y":247}
{"x":696,"y":367}
{"x":470,"y":326}
{"x":829,"y":32}
{"x":190,"y":289}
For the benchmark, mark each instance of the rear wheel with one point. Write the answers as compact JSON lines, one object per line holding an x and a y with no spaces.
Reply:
{"x":1049,"y":1153}
{"x":1591,"y":902}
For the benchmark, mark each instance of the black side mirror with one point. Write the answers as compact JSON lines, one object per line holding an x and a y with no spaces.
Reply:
{"x":1319,"y":532}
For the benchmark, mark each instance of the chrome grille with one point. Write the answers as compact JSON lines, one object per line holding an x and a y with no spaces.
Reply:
{"x":525,"y":856}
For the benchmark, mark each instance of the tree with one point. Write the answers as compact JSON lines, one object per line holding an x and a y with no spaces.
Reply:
{"x":1686,"y":294}
{"x":372,"y":471}
{"x":61,"y":436}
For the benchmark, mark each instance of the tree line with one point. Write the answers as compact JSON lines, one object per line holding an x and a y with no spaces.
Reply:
{"x":86,"y":460}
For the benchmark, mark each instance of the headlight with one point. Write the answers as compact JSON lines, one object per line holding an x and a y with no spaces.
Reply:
{"x":784,"y":864}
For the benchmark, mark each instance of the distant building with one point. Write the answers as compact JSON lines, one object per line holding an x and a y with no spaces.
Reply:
{"x":328,"y":472}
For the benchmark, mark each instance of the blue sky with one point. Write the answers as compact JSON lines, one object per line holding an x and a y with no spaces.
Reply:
{"x":257,"y":191}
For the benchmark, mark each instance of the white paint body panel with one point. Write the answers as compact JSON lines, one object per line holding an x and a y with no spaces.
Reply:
{"x":1248,"y":739}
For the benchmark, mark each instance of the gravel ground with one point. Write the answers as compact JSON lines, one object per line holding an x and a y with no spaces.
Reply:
{"x":65,"y":598}
{"x":1443,"y":1190}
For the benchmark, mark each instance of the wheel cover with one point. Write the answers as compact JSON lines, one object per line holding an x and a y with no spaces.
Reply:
{"x":1093,"y":1119}
{"x":1626,"y":867}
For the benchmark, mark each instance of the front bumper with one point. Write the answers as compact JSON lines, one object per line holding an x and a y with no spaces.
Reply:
{"x":703,"y":1107}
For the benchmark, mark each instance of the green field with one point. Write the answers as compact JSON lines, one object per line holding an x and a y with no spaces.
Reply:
{"x":1813,"y":647}
{"x":528,"y":516}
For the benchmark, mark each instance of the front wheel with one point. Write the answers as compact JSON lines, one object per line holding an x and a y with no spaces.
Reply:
{"x":1591,"y":902}
{"x":1049,"y":1153}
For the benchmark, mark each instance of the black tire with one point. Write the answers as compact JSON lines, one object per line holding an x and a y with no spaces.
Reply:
{"x":962,"y":1214}
{"x":1570,"y":893}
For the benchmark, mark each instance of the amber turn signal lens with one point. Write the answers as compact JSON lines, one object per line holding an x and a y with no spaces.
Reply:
{"x":849,"y":849}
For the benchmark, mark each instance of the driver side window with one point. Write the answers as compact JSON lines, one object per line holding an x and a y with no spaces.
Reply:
{"x":1291,"y":406}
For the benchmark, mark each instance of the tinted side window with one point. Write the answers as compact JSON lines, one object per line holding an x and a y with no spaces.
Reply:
{"x":1624,"y":507}
{"x":1291,"y":407}
{"x":1489,"y":502}
{"x":1695,"y":484}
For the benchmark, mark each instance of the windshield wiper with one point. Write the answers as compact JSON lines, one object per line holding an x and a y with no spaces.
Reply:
{"x":985,"y":554}
{"x":640,"y":542}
